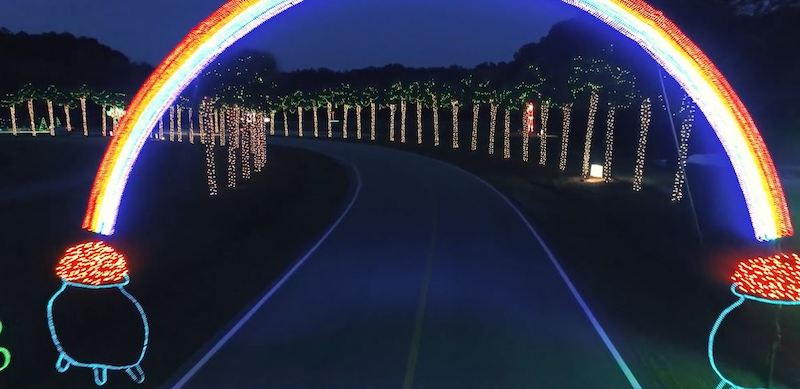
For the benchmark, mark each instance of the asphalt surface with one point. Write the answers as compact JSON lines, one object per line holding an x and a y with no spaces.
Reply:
{"x":430,"y":280}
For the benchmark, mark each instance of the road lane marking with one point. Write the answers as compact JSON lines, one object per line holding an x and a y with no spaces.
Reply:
{"x":227,"y":337}
{"x":416,"y":339}
{"x":581,"y":302}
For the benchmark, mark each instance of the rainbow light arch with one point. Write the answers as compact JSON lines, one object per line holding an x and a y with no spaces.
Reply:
{"x":659,"y":36}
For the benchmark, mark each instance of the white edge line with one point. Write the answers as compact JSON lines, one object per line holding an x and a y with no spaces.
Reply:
{"x":210,"y":354}
{"x":584,"y":306}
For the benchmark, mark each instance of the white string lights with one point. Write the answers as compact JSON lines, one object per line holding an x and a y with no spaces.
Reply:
{"x":329,"y":107}
{"x":476,"y":110}
{"x":679,"y":183}
{"x":103,"y":120}
{"x":526,"y":132}
{"x":403,"y":114}
{"x":359,"y":109}
{"x":315,"y":111}
{"x":373,"y":113}
{"x":272,"y":123}
{"x":13,"y":110}
{"x":172,"y":124}
{"x":206,"y":123}
{"x":455,"y":107}
{"x":566,"y":112}
{"x":223,"y":139}
{"x":594,"y":101}
{"x":608,"y":156}
{"x":67,"y":118}
{"x":300,"y":129}
{"x":545,"y":113}
{"x":82,"y":101}
{"x":32,"y":116}
{"x":285,"y":123}
{"x":233,"y":144}
{"x":506,"y":133}
{"x":51,"y":117}
{"x":392,"y":121}
{"x":179,"y":124}
{"x":344,"y":120}
{"x":245,"y":121}
{"x":191,"y":126}
{"x":419,"y":122}
{"x":645,"y":117}
{"x":435,"y":109}
{"x":492,"y":125}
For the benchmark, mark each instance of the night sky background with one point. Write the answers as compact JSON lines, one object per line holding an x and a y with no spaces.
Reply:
{"x":338,"y":34}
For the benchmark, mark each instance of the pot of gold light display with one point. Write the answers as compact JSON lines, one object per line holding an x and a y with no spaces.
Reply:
{"x":94,"y":322}
{"x":749,"y":336}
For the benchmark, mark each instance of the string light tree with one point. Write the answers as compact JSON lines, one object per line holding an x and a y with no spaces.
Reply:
{"x":433,"y":100}
{"x":530,"y":90}
{"x":566,"y":121}
{"x":285,"y":104}
{"x":479,"y":95}
{"x":456,"y":96}
{"x":94,"y":275}
{"x":67,"y":103}
{"x":27,"y":95}
{"x":416,"y":94}
{"x":686,"y":115}
{"x":371,"y":97}
{"x":346,"y":97}
{"x":509,"y":100}
{"x":207,"y":135}
{"x":82,"y":94}
{"x":494,"y":104}
{"x":328,"y":96}
{"x":586,"y":77}
{"x":10,"y":101}
{"x":767,"y":292}
{"x":405,"y":95}
{"x":359,"y":101}
{"x":645,"y":119}
{"x":621,"y":92}
{"x":395,"y":94}
{"x":298,"y":104}
{"x":316,"y":102}
{"x":50,"y":95}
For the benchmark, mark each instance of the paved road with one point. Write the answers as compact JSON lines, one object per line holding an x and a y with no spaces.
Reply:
{"x":431,"y":280}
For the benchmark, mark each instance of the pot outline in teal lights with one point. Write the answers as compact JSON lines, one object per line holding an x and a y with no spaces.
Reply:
{"x":725,"y":382}
{"x":100,"y":370}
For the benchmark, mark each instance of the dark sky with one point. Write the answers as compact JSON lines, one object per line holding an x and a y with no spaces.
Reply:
{"x":338,"y":34}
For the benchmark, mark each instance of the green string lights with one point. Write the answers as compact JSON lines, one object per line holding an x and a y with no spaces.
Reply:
{"x":6,"y":355}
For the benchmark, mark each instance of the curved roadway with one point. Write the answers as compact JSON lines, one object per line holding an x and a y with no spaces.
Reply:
{"x":431,"y":280}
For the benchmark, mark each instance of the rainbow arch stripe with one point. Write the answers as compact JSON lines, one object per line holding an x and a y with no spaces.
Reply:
{"x":659,"y":36}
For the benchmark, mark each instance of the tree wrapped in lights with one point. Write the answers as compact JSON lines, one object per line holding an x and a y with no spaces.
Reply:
{"x":456,"y":96}
{"x":566,"y":115}
{"x":67,"y":103}
{"x":494,"y":103}
{"x":645,"y":119}
{"x":50,"y":95}
{"x":480,"y":95}
{"x":102,"y":99}
{"x":416,"y":94}
{"x":285,"y":104}
{"x":587,"y":76}
{"x":621,"y":92}
{"x":206,"y":123}
{"x":433,"y":100}
{"x":28,"y":93}
{"x":396,"y":94}
{"x":687,"y":115}
{"x":172,"y":123}
{"x":328,"y":97}
{"x":232,"y":126}
{"x":370,"y":97}
{"x":346,"y":97}
{"x":82,"y":94}
{"x":316,"y":102}
{"x":297,"y":103}
{"x":10,"y":101}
